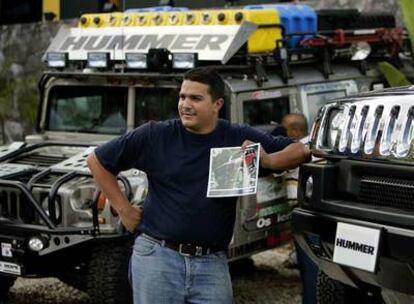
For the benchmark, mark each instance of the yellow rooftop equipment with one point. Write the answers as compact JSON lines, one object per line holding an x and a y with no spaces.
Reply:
{"x":263,"y":40}
{"x":101,"y":20}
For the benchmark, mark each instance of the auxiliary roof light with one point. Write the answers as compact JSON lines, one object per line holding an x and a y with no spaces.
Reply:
{"x":184,"y":60}
{"x":56,"y":59}
{"x":98,"y":59}
{"x":136,"y":60}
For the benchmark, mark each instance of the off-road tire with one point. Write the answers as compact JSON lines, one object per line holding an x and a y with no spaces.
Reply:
{"x":108,"y":275}
{"x":329,"y":291}
{"x":5,"y":284}
{"x":242,"y":266}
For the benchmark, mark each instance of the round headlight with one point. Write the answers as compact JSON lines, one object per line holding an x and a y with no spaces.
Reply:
{"x":37,"y":244}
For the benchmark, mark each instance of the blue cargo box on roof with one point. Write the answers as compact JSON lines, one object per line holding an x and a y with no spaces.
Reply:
{"x":294,"y":18}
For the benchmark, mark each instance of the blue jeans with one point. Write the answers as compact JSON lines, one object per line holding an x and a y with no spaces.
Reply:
{"x":161,"y":275}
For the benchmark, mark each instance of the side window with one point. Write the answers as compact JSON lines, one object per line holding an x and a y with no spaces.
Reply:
{"x":265,"y":112}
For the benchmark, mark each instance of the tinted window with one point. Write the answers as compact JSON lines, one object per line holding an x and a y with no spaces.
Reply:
{"x":265,"y":112}
{"x":155,"y":104}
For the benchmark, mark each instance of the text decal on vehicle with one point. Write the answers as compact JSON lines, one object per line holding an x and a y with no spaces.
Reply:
{"x":356,"y":246}
{"x":10,"y":268}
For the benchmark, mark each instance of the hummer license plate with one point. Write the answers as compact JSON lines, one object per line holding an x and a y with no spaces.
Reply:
{"x":10,"y":268}
{"x":356,"y":246}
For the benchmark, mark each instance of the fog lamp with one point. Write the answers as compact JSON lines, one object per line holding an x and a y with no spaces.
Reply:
{"x":37,"y":243}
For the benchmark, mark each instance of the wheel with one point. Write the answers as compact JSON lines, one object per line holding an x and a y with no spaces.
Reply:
{"x":329,"y":291}
{"x":107,"y":280}
{"x":5,"y":284}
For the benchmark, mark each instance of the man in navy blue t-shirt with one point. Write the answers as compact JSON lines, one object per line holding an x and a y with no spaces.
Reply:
{"x":180,"y":253}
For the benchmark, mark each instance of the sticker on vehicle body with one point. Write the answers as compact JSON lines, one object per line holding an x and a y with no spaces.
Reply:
{"x":6,"y":250}
{"x":10,"y":268}
{"x":356,"y":246}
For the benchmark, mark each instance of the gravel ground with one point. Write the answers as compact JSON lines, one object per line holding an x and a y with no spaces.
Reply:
{"x":268,"y":282}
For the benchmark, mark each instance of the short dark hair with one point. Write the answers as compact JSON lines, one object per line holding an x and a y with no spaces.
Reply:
{"x":209,"y":77}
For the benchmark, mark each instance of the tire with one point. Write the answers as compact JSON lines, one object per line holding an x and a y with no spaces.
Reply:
{"x":107,"y":280}
{"x":5,"y":284}
{"x":329,"y":291}
{"x":242,"y":266}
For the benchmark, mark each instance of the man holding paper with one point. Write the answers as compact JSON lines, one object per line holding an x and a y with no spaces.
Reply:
{"x":183,"y":234}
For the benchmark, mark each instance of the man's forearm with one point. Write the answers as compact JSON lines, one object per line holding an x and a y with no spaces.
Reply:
{"x":288,"y":158}
{"x":108,"y":183}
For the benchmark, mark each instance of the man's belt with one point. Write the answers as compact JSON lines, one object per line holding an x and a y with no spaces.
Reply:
{"x":185,"y":249}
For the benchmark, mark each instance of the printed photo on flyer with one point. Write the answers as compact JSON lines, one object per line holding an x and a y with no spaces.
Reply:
{"x":233,"y":171}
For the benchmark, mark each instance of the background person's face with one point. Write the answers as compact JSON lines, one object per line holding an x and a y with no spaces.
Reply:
{"x":198,"y":111}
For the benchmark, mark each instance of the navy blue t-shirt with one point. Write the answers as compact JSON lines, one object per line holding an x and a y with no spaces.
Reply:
{"x":176,"y":162}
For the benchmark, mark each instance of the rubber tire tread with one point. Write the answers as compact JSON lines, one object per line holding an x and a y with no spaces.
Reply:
{"x":108,"y":275}
{"x":329,"y":291}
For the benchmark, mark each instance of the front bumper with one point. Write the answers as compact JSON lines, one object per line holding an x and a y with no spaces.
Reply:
{"x":315,"y":234}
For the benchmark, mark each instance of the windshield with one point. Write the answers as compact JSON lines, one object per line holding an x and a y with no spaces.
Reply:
{"x":89,"y":109}
{"x":155,"y":104}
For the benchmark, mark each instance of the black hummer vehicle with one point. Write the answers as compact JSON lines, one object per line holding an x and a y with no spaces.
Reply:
{"x":356,"y":215}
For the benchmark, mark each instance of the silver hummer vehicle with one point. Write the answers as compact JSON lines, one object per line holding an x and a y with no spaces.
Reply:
{"x":106,"y":78}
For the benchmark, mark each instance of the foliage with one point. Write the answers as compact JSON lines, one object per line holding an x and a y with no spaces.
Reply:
{"x":407,"y":8}
{"x":394,"y":77}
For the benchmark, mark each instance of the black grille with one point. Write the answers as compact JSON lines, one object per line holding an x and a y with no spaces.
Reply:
{"x":14,"y":206}
{"x":39,"y":160}
{"x":387,"y":192}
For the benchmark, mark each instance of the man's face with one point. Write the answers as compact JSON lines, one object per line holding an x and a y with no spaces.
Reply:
{"x":198,"y":111}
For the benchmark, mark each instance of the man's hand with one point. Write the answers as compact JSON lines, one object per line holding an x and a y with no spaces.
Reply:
{"x":264,"y":156}
{"x":288,"y":158}
{"x":131,"y":217}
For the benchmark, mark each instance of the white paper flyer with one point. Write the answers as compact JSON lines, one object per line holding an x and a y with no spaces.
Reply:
{"x":233,"y":171}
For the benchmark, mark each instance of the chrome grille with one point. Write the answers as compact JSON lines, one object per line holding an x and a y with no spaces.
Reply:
{"x":14,"y":206}
{"x":387,"y":192}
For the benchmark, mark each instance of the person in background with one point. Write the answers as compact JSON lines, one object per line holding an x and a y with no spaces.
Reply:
{"x":183,"y":235}
{"x":297,"y":128}
{"x":296,"y":125}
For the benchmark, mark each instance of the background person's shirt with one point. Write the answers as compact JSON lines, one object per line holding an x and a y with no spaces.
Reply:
{"x":176,"y":162}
